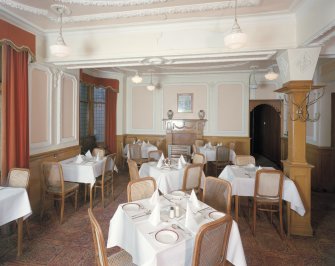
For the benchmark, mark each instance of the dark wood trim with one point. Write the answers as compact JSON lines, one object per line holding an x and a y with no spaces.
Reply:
{"x":332,"y":118}
{"x":276,"y":104}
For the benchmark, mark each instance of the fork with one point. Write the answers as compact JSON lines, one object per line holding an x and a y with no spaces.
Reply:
{"x":141,"y":214}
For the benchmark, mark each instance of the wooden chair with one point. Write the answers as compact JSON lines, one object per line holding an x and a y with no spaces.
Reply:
{"x":19,"y":177}
{"x":135,"y":154}
{"x":130,"y":140}
{"x":121,"y":258}
{"x":142,"y":188}
{"x":124,"y":157}
{"x":244,"y":160}
{"x":199,"y":158}
{"x":106,"y":179}
{"x":232,"y":146}
{"x":199,"y":142}
{"x":222,"y":158}
{"x":101,"y":152}
{"x":133,"y":170}
{"x":54,"y":185}
{"x":217,"y":194}
{"x":154,"y":155}
{"x":175,"y":151}
{"x":268,"y":194}
{"x":192,"y":177}
{"x":211,"y":242}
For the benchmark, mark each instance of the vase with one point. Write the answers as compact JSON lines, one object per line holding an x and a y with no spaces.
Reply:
{"x":170,"y":114}
{"x":201,"y":114}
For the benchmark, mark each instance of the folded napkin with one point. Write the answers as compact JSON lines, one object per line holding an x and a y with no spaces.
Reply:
{"x":97,"y":158}
{"x":250,"y":165}
{"x":194,"y":200}
{"x":209,"y":145}
{"x":182,"y":159}
{"x":155,"y":216}
{"x":134,"y":142}
{"x":154,"y":198}
{"x":180,"y":164}
{"x":88,"y":154}
{"x":161,"y":161}
{"x":190,"y":221}
{"x":79,"y":159}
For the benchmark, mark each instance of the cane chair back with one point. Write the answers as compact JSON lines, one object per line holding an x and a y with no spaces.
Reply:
{"x":99,"y":152}
{"x":199,"y":142}
{"x":133,"y":170}
{"x":54,"y":185}
{"x":268,"y":194}
{"x":121,"y":258}
{"x":199,"y":158}
{"x":241,"y":160}
{"x":211,"y":242}
{"x":18,"y":177}
{"x":154,"y":155}
{"x":130,"y":140}
{"x":175,"y":151}
{"x":232,"y":146}
{"x":142,"y":188}
{"x":192,"y":177}
{"x":217,"y":194}
{"x":222,"y":158}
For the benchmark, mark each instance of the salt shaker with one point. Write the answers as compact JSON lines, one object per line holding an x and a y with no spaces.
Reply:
{"x":177,"y":211}
{"x":171,"y":212}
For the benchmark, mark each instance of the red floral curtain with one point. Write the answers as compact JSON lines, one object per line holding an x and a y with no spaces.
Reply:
{"x":110,"y":126}
{"x":15,"y":125}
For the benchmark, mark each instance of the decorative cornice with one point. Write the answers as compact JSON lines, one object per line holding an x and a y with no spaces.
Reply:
{"x":26,"y":8}
{"x":322,"y":36}
{"x":115,"y":3}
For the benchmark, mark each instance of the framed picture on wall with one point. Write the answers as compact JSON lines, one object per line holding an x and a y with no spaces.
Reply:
{"x":185,"y":102}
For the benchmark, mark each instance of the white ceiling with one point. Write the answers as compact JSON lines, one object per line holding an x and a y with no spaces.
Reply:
{"x":102,"y":14}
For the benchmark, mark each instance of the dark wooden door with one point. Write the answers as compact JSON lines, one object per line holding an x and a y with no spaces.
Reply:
{"x":265,"y":132}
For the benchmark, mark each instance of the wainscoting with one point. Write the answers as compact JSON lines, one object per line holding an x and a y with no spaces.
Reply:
{"x":36,"y":181}
{"x":323,"y":160}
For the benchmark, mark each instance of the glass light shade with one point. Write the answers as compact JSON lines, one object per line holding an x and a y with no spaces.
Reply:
{"x":136,"y":79}
{"x":236,"y":39}
{"x":60,"y":49}
{"x":271,"y":75}
{"x":151,"y":87}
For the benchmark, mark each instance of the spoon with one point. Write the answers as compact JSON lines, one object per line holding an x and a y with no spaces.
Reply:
{"x":176,"y":226}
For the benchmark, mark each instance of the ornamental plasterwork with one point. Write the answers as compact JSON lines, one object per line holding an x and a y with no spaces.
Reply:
{"x":117,"y":3}
{"x":183,"y":9}
{"x":283,"y":67}
{"x":304,"y":62}
{"x":23,"y":7}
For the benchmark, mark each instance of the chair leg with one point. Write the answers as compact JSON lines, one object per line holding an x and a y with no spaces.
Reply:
{"x":281,"y":220}
{"x":76,"y":199}
{"x":62,"y":209}
{"x":85,"y":192}
{"x":43,"y":203}
{"x":103,"y":196}
{"x":254,"y":217}
{"x":112,"y":188}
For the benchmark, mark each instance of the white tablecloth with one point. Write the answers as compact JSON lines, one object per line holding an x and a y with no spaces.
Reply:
{"x":145,"y":148}
{"x":210,"y":154}
{"x":85,"y":172}
{"x":14,"y":204}
{"x":242,"y":180}
{"x":167,"y":180}
{"x":137,"y":237}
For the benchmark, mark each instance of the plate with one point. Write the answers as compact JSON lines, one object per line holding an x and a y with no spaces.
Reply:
{"x":215,"y":215}
{"x":131,"y":207}
{"x":166,"y":236}
{"x":177,"y":194}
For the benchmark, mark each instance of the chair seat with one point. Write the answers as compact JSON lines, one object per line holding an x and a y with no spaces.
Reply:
{"x":68,"y":187}
{"x":98,"y":180}
{"x":267,"y":200}
{"x":120,"y":258}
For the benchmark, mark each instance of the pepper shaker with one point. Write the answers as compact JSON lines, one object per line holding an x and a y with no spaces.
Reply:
{"x":171,"y":212}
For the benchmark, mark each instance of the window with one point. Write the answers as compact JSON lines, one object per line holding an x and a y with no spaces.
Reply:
{"x":92,"y":112}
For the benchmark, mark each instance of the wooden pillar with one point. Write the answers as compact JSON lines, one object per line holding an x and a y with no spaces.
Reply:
{"x":296,"y":166}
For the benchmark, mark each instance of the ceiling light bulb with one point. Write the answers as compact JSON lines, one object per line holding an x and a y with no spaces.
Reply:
{"x":136,"y":79}
{"x":151,"y":87}
{"x":271,"y":75}
{"x":60,"y":49}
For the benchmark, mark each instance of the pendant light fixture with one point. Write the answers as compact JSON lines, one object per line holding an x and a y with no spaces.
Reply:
{"x":271,"y":75}
{"x":151,"y":86}
{"x":60,"y":49}
{"x":137,"y":78}
{"x":236,"y":39}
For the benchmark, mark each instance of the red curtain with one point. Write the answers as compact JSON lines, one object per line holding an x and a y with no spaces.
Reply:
{"x":110,"y":126}
{"x":15,"y":125}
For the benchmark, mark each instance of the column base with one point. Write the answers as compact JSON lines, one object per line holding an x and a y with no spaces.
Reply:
{"x":300,"y":174}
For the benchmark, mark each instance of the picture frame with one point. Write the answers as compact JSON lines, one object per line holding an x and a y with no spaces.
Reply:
{"x":185,"y":102}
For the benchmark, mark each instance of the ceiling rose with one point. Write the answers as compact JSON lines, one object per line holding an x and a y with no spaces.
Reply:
{"x":155,"y":61}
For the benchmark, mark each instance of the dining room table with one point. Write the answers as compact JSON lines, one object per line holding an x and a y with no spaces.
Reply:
{"x":168,"y":178}
{"x":242,"y":180}
{"x":171,"y":241}
{"x":210,"y":153}
{"x":146,"y":147}
{"x":84,"y":172}
{"x":14,"y":205}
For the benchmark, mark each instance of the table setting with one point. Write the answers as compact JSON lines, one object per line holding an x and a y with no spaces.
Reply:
{"x":209,"y":151}
{"x":145,"y":148}
{"x":161,"y":230}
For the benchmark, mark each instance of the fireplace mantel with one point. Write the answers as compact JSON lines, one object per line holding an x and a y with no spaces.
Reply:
{"x":183,"y":131}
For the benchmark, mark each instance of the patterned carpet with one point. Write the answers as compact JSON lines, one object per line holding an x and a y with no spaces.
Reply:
{"x":71,"y":243}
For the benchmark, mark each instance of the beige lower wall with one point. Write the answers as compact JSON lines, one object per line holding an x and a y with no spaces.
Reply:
{"x":36,"y":181}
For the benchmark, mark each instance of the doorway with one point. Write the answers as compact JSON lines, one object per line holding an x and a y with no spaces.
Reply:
{"x":265,"y":133}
